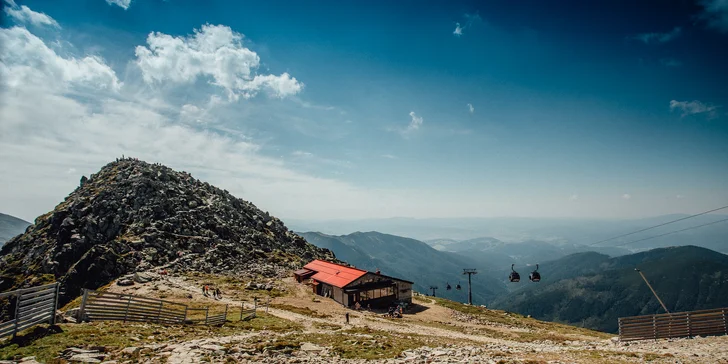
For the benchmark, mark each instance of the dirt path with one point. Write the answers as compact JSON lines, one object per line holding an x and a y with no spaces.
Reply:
{"x":431,"y":320}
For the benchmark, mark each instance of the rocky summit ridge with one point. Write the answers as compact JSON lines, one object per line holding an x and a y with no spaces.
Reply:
{"x":133,"y":216}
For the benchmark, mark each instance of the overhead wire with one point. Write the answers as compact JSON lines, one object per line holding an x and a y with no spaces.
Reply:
{"x":672,"y":232}
{"x":656,"y":226}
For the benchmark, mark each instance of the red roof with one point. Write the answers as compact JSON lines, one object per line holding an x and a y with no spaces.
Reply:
{"x":334,"y":274}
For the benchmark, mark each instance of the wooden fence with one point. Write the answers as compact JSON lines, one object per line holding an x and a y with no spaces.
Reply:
{"x":97,"y":306}
{"x":33,"y":306}
{"x":667,"y":325}
{"x":103,"y":306}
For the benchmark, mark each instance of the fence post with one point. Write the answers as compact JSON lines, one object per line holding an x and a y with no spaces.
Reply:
{"x":55,"y":305}
{"x":267,"y":303}
{"x":654,"y":327}
{"x":17,"y":309}
{"x":242,"y":307}
{"x":619,"y":322}
{"x":185,"y":319}
{"x":725,"y":322}
{"x":690,"y":328}
{"x":126,"y":313}
{"x":159,"y":312}
{"x":255,"y":306}
{"x":207,"y":311}
{"x":226,"y":307}
{"x":82,"y":310}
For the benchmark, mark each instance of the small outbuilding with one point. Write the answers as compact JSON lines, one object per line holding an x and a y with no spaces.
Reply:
{"x":349,"y":285}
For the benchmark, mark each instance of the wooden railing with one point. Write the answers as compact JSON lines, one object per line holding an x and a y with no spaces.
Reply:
{"x":33,"y":306}
{"x":104,"y":306}
{"x":680,"y":324}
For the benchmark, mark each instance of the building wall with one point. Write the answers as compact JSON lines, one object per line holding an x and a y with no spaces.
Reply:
{"x":404,"y":289}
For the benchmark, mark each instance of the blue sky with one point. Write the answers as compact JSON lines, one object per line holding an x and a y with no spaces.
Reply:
{"x":422,"y":109}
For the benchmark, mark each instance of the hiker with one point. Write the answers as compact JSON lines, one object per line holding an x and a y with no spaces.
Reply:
{"x":206,"y":291}
{"x":369,"y":306}
{"x":347,"y":318}
{"x":357,"y":306}
{"x":217,"y":293}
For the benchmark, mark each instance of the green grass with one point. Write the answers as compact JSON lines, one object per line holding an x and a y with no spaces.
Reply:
{"x":45,"y":344}
{"x":547,"y":330}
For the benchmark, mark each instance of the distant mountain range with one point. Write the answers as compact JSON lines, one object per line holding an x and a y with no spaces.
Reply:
{"x":569,"y":231}
{"x":594,"y":290}
{"x":494,"y":252}
{"x":10,"y":226}
{"x":412,"y":260}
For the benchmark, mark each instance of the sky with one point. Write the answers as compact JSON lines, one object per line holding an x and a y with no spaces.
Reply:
{"x":327,"y":109}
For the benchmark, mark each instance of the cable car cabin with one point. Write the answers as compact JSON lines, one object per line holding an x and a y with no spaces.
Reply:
{"x":448,"y":287}
{"x":535,"y":276}
{"x":514,"y":276}
{"x":458,"y":286}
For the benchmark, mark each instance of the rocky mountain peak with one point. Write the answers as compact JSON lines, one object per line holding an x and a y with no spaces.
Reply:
{"x":133,"y":216}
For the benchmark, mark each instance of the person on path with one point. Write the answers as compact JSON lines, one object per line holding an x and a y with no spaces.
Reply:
{"x":217,"y":293}
{"x":347,"y":318}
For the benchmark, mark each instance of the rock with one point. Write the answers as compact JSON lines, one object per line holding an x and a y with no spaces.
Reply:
{"x":87,"y":358}
{"x":133,"y":216}
{"x":130,"y":350}
{"x":310,"y":347}
{"x":141,"y":278}
{"x":212,"y":347}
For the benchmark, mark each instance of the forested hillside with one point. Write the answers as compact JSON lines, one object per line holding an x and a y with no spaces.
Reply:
{"x":412,"y":260}
{"x":595,"y":290}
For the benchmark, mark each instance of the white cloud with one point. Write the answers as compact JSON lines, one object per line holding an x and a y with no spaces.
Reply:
{"x":693,"y":107}
{"x":26,"y":59}
{"x":471,"y":108}
{"x":214,"y":51}
{"x":626,"y":196}
{"x":670,"y":62}
{"x":300,"y":153}
{"x":573,"y":197}
{"x":415,"y":122}
{"x":120,"y":3}
{"x":469,"y":20}
{"x":23,"y":14}
{"x":88,"y":119}
{"x":715,"y":14}
{"x":659,"y":38}
{"x":458,"y":30}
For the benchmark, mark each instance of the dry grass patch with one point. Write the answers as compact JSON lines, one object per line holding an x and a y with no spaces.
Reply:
{"x":46,"y":343}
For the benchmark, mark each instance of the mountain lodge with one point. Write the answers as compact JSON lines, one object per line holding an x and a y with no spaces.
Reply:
{"x":348,"y":285}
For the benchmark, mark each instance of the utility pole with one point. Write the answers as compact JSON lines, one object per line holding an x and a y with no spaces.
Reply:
{"x":433,"y":288}
{"x":469,"y":272}
{"x":653,"y":291}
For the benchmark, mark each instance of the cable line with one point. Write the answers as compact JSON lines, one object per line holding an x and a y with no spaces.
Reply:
{"x":656,"y":226}
{"x":672,"y":232}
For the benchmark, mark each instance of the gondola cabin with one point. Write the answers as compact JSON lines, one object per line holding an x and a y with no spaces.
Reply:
{"x":349,"y":285}
{"x":535,"y":276}
{"x":514,"y":276}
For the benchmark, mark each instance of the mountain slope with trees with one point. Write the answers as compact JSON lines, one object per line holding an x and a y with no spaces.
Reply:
{"x":10,"y":226}
{"x":412,"y":260}
{"x":594,"y":290}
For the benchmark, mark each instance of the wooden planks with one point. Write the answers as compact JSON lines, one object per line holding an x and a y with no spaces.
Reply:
{"x":669,"y":325}
{"x":102,"y":306}
{"x":33,"y":306}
